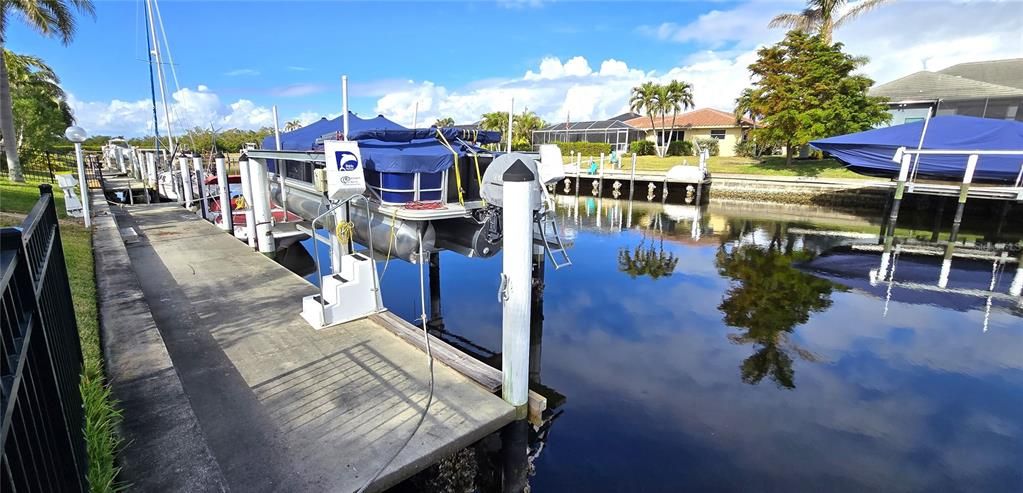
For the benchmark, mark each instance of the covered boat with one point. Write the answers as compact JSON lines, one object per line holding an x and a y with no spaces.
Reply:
{"x":871,"y":152}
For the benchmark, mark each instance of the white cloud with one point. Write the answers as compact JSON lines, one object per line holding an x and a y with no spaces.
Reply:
{"x":899,"y":39}
{"x":248,"y":72}
{"x":189,"y":108}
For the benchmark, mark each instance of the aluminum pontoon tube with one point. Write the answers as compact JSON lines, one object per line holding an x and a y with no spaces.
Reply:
{"x":405,"y":246}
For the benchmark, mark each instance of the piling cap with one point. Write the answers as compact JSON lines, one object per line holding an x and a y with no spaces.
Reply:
{"x":243,"y":158}
{"x":220,"y":155}
{"x":518,"y":172}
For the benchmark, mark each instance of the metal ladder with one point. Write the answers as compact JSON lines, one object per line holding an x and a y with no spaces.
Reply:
{"x":554,"y":246}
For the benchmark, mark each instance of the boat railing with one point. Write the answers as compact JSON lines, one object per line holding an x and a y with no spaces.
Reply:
{"x":972,"y":156}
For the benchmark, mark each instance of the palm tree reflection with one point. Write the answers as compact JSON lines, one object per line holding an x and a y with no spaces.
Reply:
{"x":767,"y":300}
{"x":647,"y":261}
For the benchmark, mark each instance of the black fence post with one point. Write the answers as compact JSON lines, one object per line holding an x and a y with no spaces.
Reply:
{"x":49,"y":167}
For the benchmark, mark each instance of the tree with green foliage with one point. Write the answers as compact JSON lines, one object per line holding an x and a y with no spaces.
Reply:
{"x":824,"y":16}
{"x":38,"y":102}
{"x":51,"y":18}
{"x":524,"y":124}
{"x":806,"y":90}
{"x":678,"y":96}
{"x":645,"y":99}
{"x":447,"y":121}
{"x":293,"y":125}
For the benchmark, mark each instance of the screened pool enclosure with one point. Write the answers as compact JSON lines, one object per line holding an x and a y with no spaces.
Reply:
{"x":612,"y":131}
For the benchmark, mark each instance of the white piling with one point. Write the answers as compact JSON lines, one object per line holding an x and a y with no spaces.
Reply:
{"x":83,"y":186}
{"x":151,"y":169}
{"x":225,"y":195}
{"x":516,"y":283}
{"x":281,"y":172}
{"x":186,"y":183}
{"x":344,"y":105}
{"x":120,"y":159}
{"x":250,"y":220}
{"x":260,"y":183}
{"x":200,"y":184}
{"x":511,"y":123}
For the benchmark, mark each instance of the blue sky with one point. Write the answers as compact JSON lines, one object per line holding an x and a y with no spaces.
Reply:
{"x":460,"y":59}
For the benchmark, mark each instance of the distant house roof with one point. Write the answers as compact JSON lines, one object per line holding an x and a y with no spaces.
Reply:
{"x":999,"y":78}
{"x":1001,"y":72}
{"x":703,"y":117}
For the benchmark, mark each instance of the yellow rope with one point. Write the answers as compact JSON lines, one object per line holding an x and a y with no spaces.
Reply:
{"x":458,"y":176}
{"x":479,"y":177}
{"x":343,"y":230}
{"x":390,"y":241}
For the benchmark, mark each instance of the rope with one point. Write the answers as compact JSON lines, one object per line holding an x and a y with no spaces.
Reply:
{"x":416,"y":205}
{"x":476,"y":161}
{"x":344,"y":230}
{"x":458,"y":175}
{"x":390,"y":241}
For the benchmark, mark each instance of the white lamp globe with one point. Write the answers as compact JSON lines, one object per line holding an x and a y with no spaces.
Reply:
{"x":75,"y":134}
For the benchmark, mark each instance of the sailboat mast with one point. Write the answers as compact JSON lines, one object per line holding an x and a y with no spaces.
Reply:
{"x":159,"y":76}
{"x":152,"y":92}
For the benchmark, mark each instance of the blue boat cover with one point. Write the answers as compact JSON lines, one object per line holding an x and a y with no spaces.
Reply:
{"x":304,"y":139}
{"x":387,"y":146}
{"x":871,"y":152}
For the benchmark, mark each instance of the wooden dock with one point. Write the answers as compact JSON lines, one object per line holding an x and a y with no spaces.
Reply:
{"x":283,"y":406}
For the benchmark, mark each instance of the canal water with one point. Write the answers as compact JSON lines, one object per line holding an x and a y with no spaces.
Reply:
{"x":750,"y":347}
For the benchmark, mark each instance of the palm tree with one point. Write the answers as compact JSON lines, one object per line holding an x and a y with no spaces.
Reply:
{"x":447,"y":121}
{"x":822,"y":16}
{"x":678,"y":96}
{"x":52,"y":18}
{"x":645,"y":99}
{"x":293,"y":125}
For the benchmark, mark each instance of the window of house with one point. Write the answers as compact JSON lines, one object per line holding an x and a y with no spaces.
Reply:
{"x":718,"y":134}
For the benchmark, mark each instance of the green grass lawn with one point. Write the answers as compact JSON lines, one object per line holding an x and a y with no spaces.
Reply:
{"x":101,"y":413}
{"x":771,"y":166}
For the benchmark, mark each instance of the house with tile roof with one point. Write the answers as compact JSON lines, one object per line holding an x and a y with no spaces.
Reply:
{"x":703,"y":123}
{"x":988,"y":89}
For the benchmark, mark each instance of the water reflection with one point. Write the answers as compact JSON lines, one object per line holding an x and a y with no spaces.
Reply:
{"x":768,"y":299}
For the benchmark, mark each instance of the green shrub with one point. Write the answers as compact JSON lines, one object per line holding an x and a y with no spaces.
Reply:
{"x":680,"y":148}
{"x":585,"y":148}
{"x":709,"y":144}
{"x":642,"y":147}
{"x":745,"y":148}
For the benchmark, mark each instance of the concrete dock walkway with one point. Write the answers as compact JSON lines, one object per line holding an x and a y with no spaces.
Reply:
{"x":283,"y":406}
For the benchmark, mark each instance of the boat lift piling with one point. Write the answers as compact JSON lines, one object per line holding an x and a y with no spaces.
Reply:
{"x":226,"y":216}
{"x":516,"y":290}
{"x":281,"y":174}
{"x":186,"y":183}
{"x":120,"y":159}
{"x":964,"y":192}
{"x":200,"y":181}
{"x":259,"y":183}
{"x":250,"y":221}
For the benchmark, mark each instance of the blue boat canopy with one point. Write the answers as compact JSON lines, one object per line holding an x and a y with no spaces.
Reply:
{"x":871,"y":152}
{"x":389,"y":147}
{"x":305,"y":138}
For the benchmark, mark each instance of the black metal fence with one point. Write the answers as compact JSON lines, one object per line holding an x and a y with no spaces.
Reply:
{"x":43,"y":166}
{"x":40,"y":360}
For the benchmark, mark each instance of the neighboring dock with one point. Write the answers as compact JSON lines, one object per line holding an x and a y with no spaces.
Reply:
{"x":283,"y":406}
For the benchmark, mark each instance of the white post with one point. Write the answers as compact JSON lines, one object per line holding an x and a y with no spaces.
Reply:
{"x":120,"y":159}
{"x":200,"y":184}
{"x":281,"y":174}
{"x":225,"y":195}
{"x":250,"y":220}
{"x":186,"y":182}
{"x":260,"y":183}
{"x":415,"y":115}
{"x":344,"y":105}
{"x":83,"y":186}
{"x":1016,"y":288}
{"x":516,"y":283}
{"x":511,"y":121}
{"x":151,"y":169}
